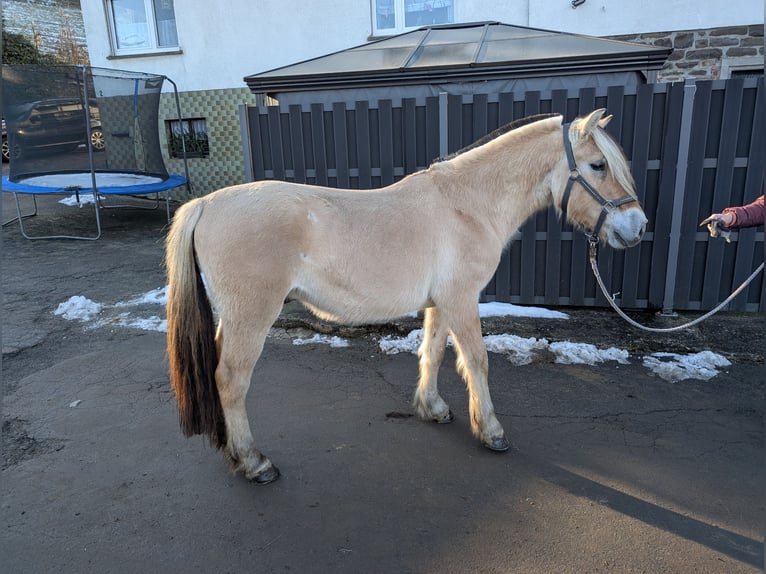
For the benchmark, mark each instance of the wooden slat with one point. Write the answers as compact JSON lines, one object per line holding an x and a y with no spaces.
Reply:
{"x":480,"y":112}
{"x":296,"y":136}
{"x":454,"y":123}
{"x":256,"y":139}
{"x":410,"y":142}
{"x":505,"y":112}
{"x":341,"y":144}
{"x":432,"y":129}
{"x":318,"y":143}
{"x":727,"y":147}
{"x":385,"y":117}
{"x":275,"y":133}
{"x":363,"y":144}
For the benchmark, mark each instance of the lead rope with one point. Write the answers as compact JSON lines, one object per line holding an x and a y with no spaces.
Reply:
{"x":610,"y":298}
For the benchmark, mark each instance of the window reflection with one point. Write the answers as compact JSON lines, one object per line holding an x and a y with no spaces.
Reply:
{"x":165,"y":14}
{"x":131,"y":27}
{"x":427,"y":13}
{"x":394,"y":16}
{"x":385,"y":13}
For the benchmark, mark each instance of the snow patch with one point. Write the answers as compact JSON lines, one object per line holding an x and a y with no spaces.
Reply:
{"x":509,"y":310}
{"x":673,"y":367}
{"x":520,"y":350}
{"x":85,"y":199}
{"x":324,"y":340}
{"x":392,"y":345}
{"x":78,"y":308}
{"x":568,"y":353}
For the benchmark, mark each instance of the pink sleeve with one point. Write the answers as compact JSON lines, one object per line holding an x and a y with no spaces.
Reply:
{"x":749,"y":215}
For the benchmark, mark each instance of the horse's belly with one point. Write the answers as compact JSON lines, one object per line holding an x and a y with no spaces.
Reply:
{"x":354,"y":298}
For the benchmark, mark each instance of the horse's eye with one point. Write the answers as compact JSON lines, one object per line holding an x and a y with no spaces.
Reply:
{"x":599,"y":165}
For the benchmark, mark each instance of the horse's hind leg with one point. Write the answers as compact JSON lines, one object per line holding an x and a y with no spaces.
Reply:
{"x":473,"y":366}
{"x":239,"y":348}
{"x":428,"y":404}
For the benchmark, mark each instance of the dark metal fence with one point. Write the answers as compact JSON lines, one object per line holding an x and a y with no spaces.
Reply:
{"x":694,"y":148}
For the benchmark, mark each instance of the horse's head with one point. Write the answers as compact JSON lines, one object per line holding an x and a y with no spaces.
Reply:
{"x":593,"y":186}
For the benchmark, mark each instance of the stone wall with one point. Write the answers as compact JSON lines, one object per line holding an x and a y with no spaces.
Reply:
{"x":703,"y":54}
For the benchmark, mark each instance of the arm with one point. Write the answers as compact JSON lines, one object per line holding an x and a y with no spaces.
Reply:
{"x":749,"y":215}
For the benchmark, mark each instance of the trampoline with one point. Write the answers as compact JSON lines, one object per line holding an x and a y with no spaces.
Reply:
{"x":86,"y":132}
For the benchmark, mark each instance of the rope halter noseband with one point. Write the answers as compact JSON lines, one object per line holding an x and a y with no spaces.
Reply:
{"x":575,"y":176}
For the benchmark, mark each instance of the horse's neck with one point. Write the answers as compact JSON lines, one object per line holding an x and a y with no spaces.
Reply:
{"x":505,"y":181}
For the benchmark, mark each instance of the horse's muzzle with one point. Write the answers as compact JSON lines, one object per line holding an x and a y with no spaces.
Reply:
{"x":625,"y":228}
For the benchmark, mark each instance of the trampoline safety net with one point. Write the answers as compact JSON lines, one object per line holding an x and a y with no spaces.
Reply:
{"x":74,"y":119}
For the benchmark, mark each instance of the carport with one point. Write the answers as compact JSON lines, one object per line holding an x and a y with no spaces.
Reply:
{"x":473,"y":58}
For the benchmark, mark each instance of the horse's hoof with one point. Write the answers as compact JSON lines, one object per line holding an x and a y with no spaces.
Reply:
{"x":498,"y":444}
{"x":446,"y":419}
{"x":267,"y":476}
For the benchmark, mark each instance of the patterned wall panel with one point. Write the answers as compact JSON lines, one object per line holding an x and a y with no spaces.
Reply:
{"x":225,"y":164}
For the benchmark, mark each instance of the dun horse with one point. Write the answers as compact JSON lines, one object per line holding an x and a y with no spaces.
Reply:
{"x":430,"y":241}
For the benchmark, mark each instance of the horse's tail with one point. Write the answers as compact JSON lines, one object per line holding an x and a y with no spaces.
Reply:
{"x":192,"y":351}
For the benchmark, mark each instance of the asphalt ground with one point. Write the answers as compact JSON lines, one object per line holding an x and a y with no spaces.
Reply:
{"x":612,"y":469}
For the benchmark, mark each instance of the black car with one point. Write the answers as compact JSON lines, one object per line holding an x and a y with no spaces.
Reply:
{"x":51,"y":124}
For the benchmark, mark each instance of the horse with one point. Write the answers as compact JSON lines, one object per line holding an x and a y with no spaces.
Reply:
{"x":429,"y":242}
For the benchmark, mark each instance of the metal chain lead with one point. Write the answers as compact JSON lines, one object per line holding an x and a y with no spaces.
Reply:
{"x":610,"y":298}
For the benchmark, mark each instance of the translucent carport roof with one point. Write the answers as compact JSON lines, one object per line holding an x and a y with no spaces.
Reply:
{"x":476,"y":51}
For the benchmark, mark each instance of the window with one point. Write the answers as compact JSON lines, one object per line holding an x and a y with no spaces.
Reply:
{"x":142,"y":26}
{"x":741,"y":67}
{"x":395,"y":16}
{"x":190,"y":133}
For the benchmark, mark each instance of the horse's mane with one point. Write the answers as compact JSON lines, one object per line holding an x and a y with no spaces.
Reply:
{"x":615,"y":159}
{"x":604,"y":141}
{"x":515,"y":124}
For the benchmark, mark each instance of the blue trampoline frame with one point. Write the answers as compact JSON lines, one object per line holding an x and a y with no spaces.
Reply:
{"x":157,"y":188}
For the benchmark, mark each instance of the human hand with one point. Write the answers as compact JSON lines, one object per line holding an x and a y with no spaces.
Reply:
{"x":718,"y":223}
{"x":723,"y":219}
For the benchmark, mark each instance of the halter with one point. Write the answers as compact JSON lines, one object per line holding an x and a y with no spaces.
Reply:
{"x":607,"y":205}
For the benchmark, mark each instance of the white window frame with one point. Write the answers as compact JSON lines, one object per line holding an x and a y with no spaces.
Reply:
{"x":400,"y":18}
{"x":151,"y":23}
{"x":740,"y":64}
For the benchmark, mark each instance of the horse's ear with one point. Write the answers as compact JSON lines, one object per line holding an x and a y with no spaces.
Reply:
{"x":583,"y":127}
{"x":592,"y":120}
{"x":604,"y":121}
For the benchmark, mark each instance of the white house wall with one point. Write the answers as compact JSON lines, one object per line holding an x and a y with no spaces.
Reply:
{"x":223,"y":41}
{"x":622,"y":17}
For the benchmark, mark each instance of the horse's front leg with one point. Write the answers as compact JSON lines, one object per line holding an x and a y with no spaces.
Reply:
{"x":428,"y":404}
{"x":235,"y":368}
{"x":473,"y":365}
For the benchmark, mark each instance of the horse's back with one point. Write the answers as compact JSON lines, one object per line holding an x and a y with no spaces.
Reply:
{"x":351,"y":255}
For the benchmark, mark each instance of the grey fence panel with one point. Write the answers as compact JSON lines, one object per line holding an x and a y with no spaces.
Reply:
{"x":747,"y":256}
{"x":372,"y":144}
{"x":717,"y":170}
